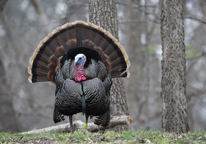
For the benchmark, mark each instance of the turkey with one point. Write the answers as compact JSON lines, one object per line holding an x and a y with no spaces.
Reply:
{"x":80,"y":59}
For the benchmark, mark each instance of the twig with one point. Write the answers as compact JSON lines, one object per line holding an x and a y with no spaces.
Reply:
{"x":137,"y":21}
{"x":193,"y":18}
{"x":137,"y":5}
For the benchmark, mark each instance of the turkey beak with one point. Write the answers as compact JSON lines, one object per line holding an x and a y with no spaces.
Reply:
{"x":77,"y":63}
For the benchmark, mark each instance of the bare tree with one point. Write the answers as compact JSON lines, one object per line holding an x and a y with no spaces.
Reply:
{"x":175,"y":114}
{"x":42,"y":16}
{"x":104,"y":14}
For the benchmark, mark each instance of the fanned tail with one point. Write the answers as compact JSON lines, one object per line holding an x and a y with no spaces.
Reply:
{"x":55,"y":48}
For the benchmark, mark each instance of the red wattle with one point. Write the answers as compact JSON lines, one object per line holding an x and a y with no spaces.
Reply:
{"x":79,"y":74}
{"x":80,"y":78}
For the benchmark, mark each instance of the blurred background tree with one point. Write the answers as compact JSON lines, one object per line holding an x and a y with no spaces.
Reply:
{"x":24,"y":23}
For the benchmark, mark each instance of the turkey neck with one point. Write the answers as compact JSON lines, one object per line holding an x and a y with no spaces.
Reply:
{"x":79,"y":73}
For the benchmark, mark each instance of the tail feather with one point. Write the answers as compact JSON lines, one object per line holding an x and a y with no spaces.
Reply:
{"x":46,"y":58}
{"x":64,"y":48}
{"x":33,"y":78}
{"x":123,"y":74}
{"x":79,"y":36}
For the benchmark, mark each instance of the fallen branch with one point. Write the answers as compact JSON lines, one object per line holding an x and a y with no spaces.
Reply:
{"x":78,"y":124}
{"x":115,"y":121}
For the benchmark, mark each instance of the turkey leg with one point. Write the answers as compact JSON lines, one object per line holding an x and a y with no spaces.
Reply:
{"x":71,"y":125}
{"x":87,"y":116}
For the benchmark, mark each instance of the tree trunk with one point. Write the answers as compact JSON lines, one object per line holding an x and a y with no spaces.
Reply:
{"x":175,"y":114}
{"x":104,"y":14}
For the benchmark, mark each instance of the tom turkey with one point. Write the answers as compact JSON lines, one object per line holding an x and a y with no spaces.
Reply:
{"x":80,"y":58}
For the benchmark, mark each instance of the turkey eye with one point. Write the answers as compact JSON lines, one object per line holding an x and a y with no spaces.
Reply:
{"x":80,"y":58}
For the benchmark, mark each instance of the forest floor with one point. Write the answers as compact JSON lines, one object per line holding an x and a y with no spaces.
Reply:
{"x":83,"y":136}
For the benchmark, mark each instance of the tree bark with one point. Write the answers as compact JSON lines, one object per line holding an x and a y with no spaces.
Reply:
{"x":175,"y":114}
{"x":104,"y":14}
